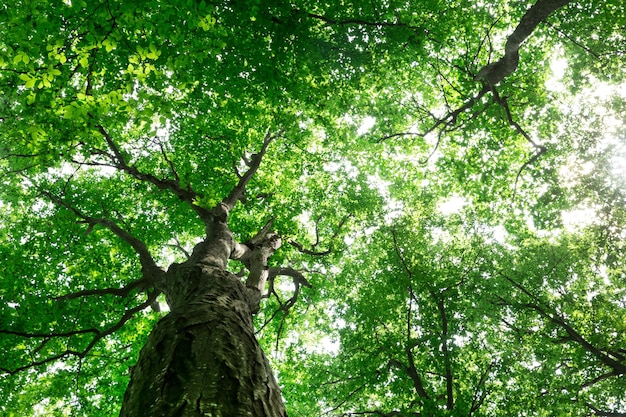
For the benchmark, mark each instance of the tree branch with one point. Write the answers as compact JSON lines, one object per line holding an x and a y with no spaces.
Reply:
{"x":358,"y":22}
{"x":540,"y":149}
{"x":312,"y":251}
{"x":169,"y":163}
{"x":599,"y":378}
{"x":480,"y":394}
{"x":504,"y":103}
{"x":177,"y":245}
{"x":184,"y":194}
{"x":345,"y":400}
{"x":118,"y":292}
{"x":152,"y":273}
{"x":446,"y":353}
{"x":598,"y":412}
{"x":449,"y":119}
{"x":98,"y":335}
{"x":495,"y":72}
{"x":253,"y":165}
{"x":381,"y":413}
{"x":573,"y":335}
{"x":297,"y":276}
{"x":412,"y":373}
{"x":298,"y":279}
{"x":572,"y":40}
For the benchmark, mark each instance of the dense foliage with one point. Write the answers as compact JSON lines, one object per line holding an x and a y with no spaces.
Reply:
{"x":464,"y":242}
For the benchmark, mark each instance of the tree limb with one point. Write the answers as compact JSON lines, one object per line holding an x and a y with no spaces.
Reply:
{"x":495,"y":72}
{"x":572,"y":40}
{"x":573,"y":335}
{"x":600,"y":378}
{"x":253,"y":165}
{"x":412,"y":373}
{"x":539,"y":149}
{"x":480,"y":394}
{"x":297,"y":276}
{"x":185,"y":194}
{"x":449,"y":119}
{"x":446,"y":353}
{"x":177,"y":245}
{"x":98,"y":335}
{"x":298,"y":279}
{"x":380,"y":413}
{"x":597,"y":412}
{"x":119,"y":292}
{"x":151,"y":271}
{"x":312,"y":252}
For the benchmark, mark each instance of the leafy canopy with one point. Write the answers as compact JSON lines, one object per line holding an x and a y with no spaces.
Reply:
{"x":474,"y":234}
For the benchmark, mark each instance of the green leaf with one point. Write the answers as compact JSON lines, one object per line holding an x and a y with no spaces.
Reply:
{"x":455,"y":267}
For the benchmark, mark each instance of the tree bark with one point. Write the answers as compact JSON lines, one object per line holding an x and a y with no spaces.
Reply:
{"x":203,"y":359}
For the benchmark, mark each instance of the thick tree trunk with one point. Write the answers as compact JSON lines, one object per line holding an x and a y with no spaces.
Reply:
{"x":203,"y":359}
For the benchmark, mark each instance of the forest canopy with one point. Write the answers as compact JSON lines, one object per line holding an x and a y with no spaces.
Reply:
{"x":435,"y":192}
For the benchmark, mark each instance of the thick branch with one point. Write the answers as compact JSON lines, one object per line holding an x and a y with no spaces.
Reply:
{"x":495,"y":72}
{"x":297,"y":276}
{"x":151,"y":272}
{"x":256,"y":261}
{"x":531,"y":19}
{"x":411,"y":371}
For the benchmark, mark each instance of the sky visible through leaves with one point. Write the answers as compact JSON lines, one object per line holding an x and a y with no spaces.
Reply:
{"x":462,"y":240}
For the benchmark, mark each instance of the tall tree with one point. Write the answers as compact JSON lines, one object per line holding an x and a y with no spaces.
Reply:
{"x":172,"y":170}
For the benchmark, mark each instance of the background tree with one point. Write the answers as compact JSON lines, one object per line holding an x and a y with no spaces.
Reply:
{"x":426,"y":266}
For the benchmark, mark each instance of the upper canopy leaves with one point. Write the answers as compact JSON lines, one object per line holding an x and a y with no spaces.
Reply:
{"x":450,"y":280}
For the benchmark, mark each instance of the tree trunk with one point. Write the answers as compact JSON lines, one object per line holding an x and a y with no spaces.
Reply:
{"x":203,"y":359}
